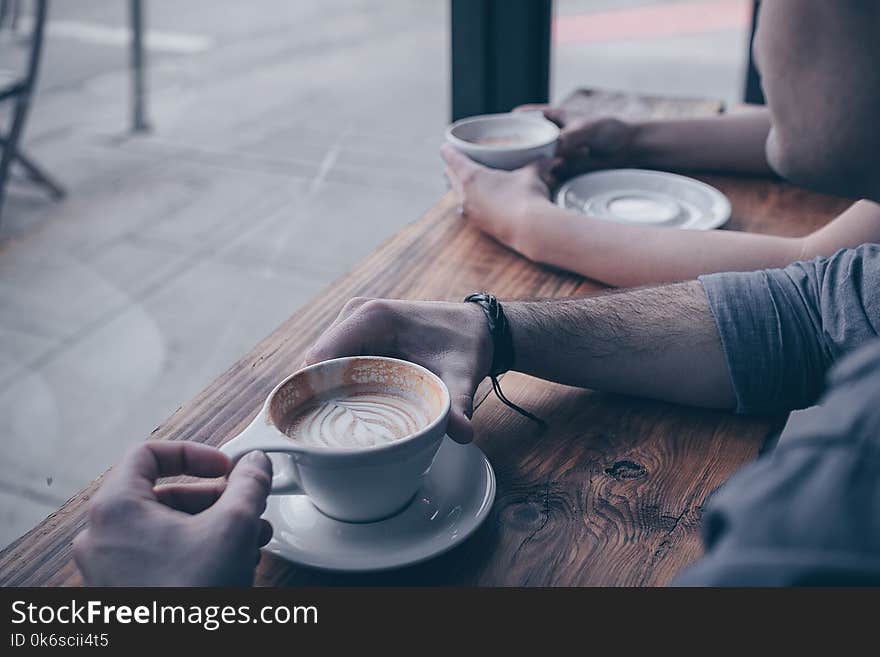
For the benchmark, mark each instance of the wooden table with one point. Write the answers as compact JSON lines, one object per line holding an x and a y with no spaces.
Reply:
{"x":610,"y":492}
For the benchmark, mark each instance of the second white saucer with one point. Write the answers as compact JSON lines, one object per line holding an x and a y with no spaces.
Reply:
{"x":636,"y":196}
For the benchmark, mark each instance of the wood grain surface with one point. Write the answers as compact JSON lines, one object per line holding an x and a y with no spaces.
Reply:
{"x":610,"y":492}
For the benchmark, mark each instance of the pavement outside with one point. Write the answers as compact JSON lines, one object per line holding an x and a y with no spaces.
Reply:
{"x":289,"y":140}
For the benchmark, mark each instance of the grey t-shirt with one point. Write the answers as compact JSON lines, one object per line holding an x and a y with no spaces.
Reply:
{"x":782,"y":329}
{"x":809,"y":512}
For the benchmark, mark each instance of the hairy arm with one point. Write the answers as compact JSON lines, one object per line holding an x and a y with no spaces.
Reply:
{"x":657,"y":342}
{"x":760,"y":341}
{"x":757,"y":341}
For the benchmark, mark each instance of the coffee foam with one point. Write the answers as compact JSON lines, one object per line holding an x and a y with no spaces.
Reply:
{"x":354,"y":417}
{"x":511,"y":140}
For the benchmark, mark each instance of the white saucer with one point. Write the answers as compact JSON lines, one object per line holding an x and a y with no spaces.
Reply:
{"x":454,"y":499}
{"x":637,"y":196}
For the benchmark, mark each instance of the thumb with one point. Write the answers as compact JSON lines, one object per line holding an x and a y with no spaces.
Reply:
{"x":248,"y":486}
{"x":532,"y":107}
{"x":555,"y":115}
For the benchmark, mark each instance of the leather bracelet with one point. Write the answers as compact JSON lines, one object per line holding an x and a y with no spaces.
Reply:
{"x":499,"y":329}
{"x":502,"y":346}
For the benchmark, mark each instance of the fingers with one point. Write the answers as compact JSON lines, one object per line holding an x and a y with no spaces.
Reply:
{"x":265,"y":534}
{"x":462,"y":398}
{"x":577,"y":137}
{"x":553,"y":114}
{"x":459,"y":427}
{"x":366,"y":330}
{"x":189,"y":498}
{"x":81,"y":553}
{"x":556,"y":115}
{"x":580,"y":162}
{"x":144,"y":464}
{"x":531,"y":107}
{"x":351,"y":306}
{"x":460,"y":164}
{"x":606,"y":139}
{"x":247,"y":488}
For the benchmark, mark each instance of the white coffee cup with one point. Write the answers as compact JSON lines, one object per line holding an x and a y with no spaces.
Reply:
{"x":355,"y":484}
{"x":505,"y":141}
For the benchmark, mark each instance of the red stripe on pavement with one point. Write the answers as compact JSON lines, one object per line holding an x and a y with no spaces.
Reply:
{"x":674,"y":19}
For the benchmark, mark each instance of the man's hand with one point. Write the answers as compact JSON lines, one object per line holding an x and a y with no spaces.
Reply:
{"x":589,"y":142}
{"x":502,"y":204}
{"x":450,"y":339}
{"x":201,"y":534}
{"x":724,"y":143}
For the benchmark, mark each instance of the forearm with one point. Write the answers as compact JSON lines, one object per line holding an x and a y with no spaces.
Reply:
{"x":859,"y":224}
{"x":657,"y":342}
{"x":728,"y":143}
{"x":625,"y":255}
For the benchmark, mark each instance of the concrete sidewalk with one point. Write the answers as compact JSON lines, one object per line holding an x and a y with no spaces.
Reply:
{"x":290,"y":140}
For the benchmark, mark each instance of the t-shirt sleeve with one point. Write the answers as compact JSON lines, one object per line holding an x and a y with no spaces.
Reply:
{"x":782,"y":329}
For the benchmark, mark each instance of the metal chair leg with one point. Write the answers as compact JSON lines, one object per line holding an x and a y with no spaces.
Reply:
{"x":139,"y":121}
{"x":21,"y":102}
{"x":36,"y":173}
{"x":9,"y":146}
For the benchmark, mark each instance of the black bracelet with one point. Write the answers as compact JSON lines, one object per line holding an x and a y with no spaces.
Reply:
{"x":502,"y":341}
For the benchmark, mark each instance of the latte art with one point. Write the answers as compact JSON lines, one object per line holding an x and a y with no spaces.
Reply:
{"x":352,"y":418}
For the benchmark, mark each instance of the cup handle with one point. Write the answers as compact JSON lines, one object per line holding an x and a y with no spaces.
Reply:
{"x":285,"y":481}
